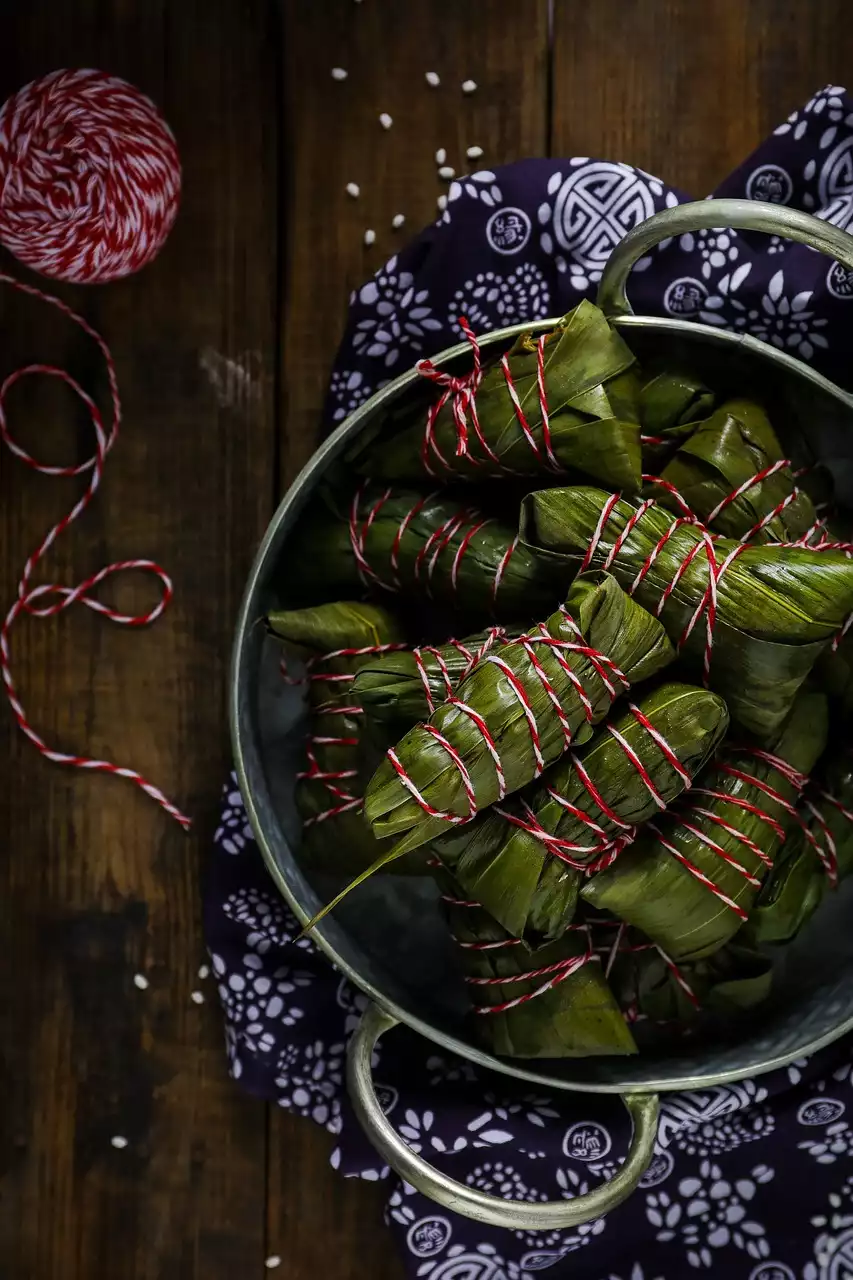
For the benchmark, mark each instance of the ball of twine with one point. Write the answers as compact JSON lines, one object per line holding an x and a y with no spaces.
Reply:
{"x":89,"y":177}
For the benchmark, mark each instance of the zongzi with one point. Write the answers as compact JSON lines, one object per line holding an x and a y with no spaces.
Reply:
{"x":428,"y":544}
{"x":526,"y":861}
{"x":734,"y":476}
{"x":332,"y":641}
{"x":551,"y":1002}
{"x":768,"y":611}
{"x":558,"y":400}
{"x":689,"y":881}
{"x":816,"y":856}
{"x":517,"y":711}
{"x":406,"y":686}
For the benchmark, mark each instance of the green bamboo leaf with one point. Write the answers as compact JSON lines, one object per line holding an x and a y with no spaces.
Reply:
{"x":735,"y":979}
{"x":392,"y":687}
{"x":723,"y":453}
{"x":777,"y":606}
{"x":530,"y":890}
{"x":798,"y":882}
{"x":335,"y":837}
{"x":561,"y":1017}
{"x":672,"y":404}
{"x":650,"y":888}
{"x":421,"y":545}
{"x":592,"y":412}
{"x":598,"y":614}
{"x":340,"y":624}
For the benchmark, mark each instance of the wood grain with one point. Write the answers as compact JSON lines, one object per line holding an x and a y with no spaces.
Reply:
{"x":687,"y":91}
{"x":223,"y":349}
{"x":333,"y":137}
{"x":96,"y":881}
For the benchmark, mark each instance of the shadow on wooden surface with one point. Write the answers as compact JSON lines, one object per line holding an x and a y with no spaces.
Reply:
{"x":223,"y":349}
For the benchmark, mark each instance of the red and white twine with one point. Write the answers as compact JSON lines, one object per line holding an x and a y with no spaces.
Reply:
{"x":48,"y":599}
{"x":461,"y":392}
{"x":561,"y":650}
{"x":90,"y":176}
{"x":315,"y":670}
{"x":792,"y":777}
{"x":464,"y":521}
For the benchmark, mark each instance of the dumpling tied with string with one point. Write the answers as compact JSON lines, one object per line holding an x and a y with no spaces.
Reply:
{"x":692,"y":877}
{"x":526,"y":860}
{"x":732,"y":473}
{"x":560,"y":401}
{"x":518,"y":711}
{"x":392,"y":540}
{"x":749,"y":620}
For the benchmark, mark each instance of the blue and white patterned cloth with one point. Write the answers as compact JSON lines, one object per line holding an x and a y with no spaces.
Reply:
{"x":751,"y":1181}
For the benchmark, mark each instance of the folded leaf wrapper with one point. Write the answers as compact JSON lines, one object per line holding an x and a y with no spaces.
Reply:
{"x":648,"y":985}
{"x":404,"y":541}
{"x":730,"y":472}
{"x":672,"y":404}
{"x":518,"y":710}
{"x":333,"y":641}
{"x":557,"y":401}
{"x":526,"y":861}
{"x":776,"y":607}
{"x":404,"y":687}
{"x":813,"y":859}
{"x":551,"y":1002}
{"x":690,"y":880}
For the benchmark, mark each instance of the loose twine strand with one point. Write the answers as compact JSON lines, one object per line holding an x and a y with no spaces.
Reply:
{"x":48,"y":599}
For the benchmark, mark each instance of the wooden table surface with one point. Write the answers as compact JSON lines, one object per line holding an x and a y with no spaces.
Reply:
{"x":223,"y":348}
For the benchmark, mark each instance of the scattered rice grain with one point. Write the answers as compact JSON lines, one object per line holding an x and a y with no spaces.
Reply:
{"x":274,"y":1260}
{"x":398,"y":220}
{"x":385,"y":120}
{"x":140,"y":980}
{"x":338,"y":73}
{"x":118,"y":1142}
{"x":432,"y":78}
{"x":447,"y":172}
{"x":474,"y":153}
{"x":468,"y":86}
{"x":369,"y":236}
{"x":197,"y":997}
{"x":442,"y":203}
{"x":354,"y":190}
{"x":440,"y":156}
{"x":204,"y":972}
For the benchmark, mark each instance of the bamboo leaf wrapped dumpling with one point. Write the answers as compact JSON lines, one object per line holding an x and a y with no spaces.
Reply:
{"x":332,"y":641}
{"x":517,"y":711}
{"x":527,"y":860}
{"x":672,"y":404}
{"x":564,"y":399}
{"x":733,"y":475}
{"x":648,"y":984}
{"x":403,"y":541}
{"x":816,"y":856}
{"x":405,"y":686}
{"x":551,"y":1002}
{"x":691,"y":878}
{"x":771,"y":612}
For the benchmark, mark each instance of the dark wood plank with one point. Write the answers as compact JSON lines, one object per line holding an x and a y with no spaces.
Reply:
{"x":334,"y":137}
{"x":96,"y":882}
{"x":322,"y":1225}
{"x":687,"y":91}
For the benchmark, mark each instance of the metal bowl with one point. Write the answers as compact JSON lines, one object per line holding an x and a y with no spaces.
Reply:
{"x":389,"y":939}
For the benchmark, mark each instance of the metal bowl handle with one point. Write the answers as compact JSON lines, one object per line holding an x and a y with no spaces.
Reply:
{"x":513,"y":1214}
{"x":741,"y":215}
